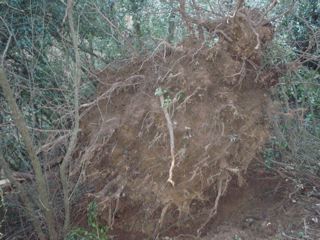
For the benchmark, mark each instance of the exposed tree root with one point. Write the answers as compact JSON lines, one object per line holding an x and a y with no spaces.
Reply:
{"x":222,"y":188}
{"x":159,"y":225}
{"x":171,"y":134}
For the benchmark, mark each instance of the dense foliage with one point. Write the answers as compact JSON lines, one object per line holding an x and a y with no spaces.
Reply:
{"x":38,"y":56}
{"x":296,"y":127}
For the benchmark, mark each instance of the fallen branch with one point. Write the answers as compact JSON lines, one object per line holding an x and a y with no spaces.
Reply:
{"x":4,"y":183}
{"x":17,"y":177}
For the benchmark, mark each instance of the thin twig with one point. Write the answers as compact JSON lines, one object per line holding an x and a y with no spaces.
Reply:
{"x":73,"y":140}
{"x":5,"y":50}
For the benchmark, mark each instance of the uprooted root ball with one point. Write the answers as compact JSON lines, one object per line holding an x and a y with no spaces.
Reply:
{"x":169,"y":131}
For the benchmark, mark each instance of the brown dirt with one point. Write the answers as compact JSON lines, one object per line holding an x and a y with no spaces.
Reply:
{"x":260,"y":210}
{"x":218,"y":108}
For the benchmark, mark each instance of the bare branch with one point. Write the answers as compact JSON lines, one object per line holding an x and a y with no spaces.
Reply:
{"x":5,"y":50}
{"x":73,"y":140}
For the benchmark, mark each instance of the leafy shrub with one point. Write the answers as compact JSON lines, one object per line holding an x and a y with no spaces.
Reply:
{"x":96,"y":231}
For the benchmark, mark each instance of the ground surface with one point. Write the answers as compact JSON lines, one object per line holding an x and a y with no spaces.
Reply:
{"x":267,"y":206}
{"x":260,"y":210}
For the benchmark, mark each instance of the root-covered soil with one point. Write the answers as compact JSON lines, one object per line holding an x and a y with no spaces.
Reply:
{"x":172,"y":133}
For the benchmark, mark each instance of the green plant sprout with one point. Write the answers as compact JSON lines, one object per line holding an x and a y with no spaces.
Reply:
{"x":160,"y":92}
{"x":96,"y":231}
{"x":167,"y":99}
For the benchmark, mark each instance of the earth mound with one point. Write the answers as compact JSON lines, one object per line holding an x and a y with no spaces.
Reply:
{"x":168,"y":132}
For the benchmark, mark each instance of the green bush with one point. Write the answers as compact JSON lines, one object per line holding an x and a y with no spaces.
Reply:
{"x":96,"y":231}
